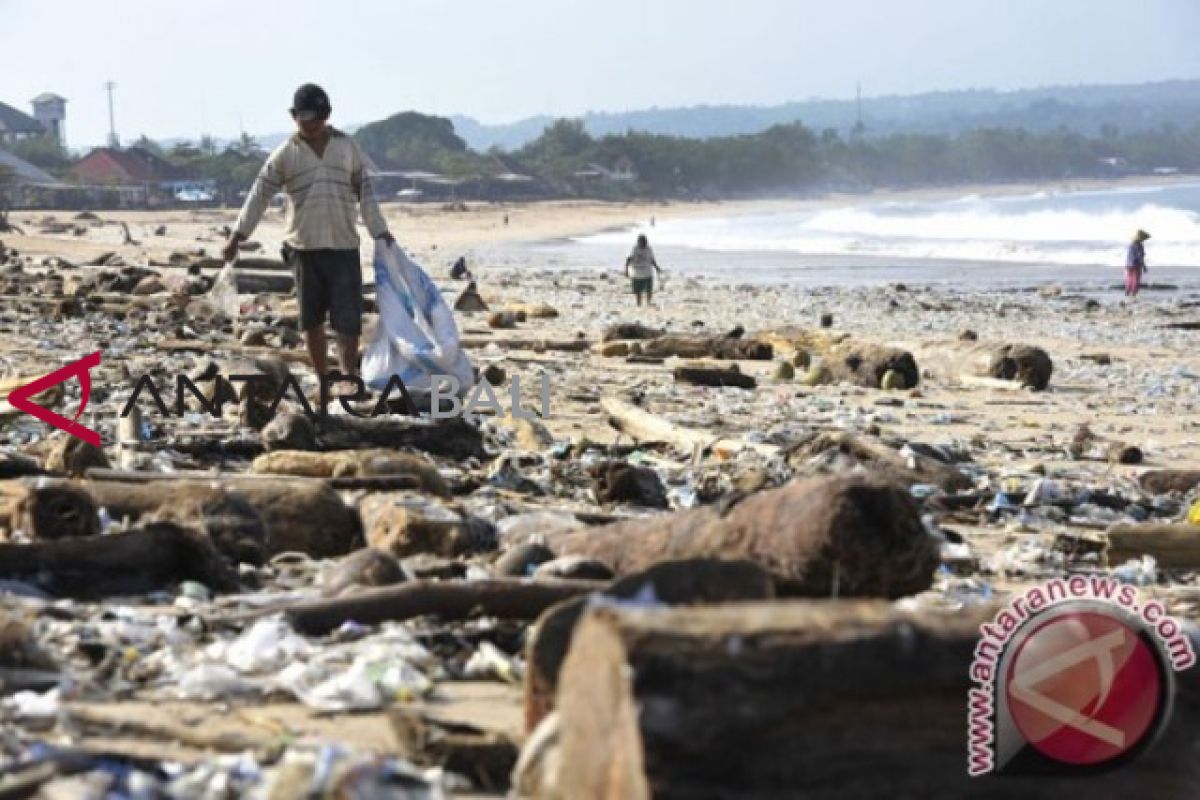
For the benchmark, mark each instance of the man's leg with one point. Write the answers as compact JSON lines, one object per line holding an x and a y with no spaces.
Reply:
{"x":345,"y":307}
{"x":347,"y":347}
{"x":312,"y":294}
{"x":318,"y":348}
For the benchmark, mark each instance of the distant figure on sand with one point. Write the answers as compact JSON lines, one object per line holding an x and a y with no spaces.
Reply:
{"x":459,"y":270}
{"x":1135,"y":264}
{"x":641,"y":266}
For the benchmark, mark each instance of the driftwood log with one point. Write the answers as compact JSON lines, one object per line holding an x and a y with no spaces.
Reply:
{"x":842,"y":535}
{"x":812,"y":698}
{"x":832,"y":453}
{"x":233,"y":524}
{"x":701,"y":581}
{"x":647,"y":427}
{"x":395,"y":525}
{"x":135,"y":562}
{"x":47,"y":510}
{"x":1172,"y":546}
{"x":299,"y":514}
{"x":18,"y":465}
{"x":631,"y":330}
{"x":714,"y":376}
{"x":980,"y":363}
{"x":449,"y":599}
{"x":454,"y":437}
{"x":536,"y":345}
{"x":353,"y":464}
{"x":829,"y":701}
{"x":720,"y":347}
{"x":865,"y":364}
{"x":1162,"y":481}
{"x":487,"y":757}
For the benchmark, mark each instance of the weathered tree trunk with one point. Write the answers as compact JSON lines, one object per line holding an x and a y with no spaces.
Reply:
{"x":700,"y":581}
{"x":647,"y":427}
{"x":353,"y":463}
{"x":630,"y":330}
{"x":454,"y":437}
{"x":722,"y":347}
{"x":1162,"y":481}
{"x":839,"y":452}
{"x":395,"y":525}
{"x":845,"y":701}
{"x":18,"y":465}
{"x":135,"y":562}
{"x":370,"y":483}
{"x":536,"y":345}
{"x":1023,"y":365}
{"x":486,"y":756}
{"x":243,"y":262}
{"x":714,"y":376}
{"x":1173,"y":546}
{"x":842,"y":535}
{"x":47,"y":510}
{"x":263,"y":283}
{"x":864,"y":364}
{"x":450,"y":599}
{"x":300,"y":514}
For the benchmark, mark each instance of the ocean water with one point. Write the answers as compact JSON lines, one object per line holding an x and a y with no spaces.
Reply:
{"x":1061,"y":235}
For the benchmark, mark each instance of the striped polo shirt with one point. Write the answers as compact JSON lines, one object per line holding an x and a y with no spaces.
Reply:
{"x":325,"y":194}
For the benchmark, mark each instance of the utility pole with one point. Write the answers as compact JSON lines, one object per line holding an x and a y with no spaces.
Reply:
{"x":113,"y":141}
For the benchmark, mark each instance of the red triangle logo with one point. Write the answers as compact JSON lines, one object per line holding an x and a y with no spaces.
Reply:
{"x":19,"y":398}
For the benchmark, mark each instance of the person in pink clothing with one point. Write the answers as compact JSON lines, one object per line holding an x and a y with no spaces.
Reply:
{"x":1135,"y":264}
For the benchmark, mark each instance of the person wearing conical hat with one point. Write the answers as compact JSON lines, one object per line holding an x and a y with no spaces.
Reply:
{"x":1135,"y":263}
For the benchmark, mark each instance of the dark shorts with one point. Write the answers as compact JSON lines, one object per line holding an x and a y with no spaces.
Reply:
{"x":641,"y":285}
{"x":329,"y":283}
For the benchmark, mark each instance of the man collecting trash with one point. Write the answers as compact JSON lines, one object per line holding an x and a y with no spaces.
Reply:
{"x":322,"y":170}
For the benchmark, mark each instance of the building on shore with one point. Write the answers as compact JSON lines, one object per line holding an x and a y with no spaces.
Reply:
{"x":16,"y":125}
{"x":50,"y":110}
{"x":159,"y":181}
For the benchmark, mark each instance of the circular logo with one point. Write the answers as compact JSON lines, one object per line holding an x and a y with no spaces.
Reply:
{"x":1086,"y":688}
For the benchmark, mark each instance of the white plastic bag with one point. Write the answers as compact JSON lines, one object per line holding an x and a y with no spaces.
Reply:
{"x":224,"y":294}
{"x":417,"y":337}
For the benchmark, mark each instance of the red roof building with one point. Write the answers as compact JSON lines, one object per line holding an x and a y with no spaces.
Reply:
{"x":108,"y":165}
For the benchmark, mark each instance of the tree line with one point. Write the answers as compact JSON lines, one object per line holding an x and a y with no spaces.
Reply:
{"x":793,"y":158}
{"x":784,"y":159}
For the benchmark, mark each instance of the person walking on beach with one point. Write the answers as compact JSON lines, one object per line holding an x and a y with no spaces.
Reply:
{"x":322,"y":170}
{"x":1135,"y":264}
{"x":640,"y":267}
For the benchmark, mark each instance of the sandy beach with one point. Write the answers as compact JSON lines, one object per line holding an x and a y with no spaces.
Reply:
{"x":1119,"y":368}
{"x":437,"y":234}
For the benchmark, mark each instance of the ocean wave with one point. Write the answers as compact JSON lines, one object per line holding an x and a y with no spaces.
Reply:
{"x":1051,"y":229}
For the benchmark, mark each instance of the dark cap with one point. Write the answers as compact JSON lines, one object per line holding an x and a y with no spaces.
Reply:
{"x":311,"y":102}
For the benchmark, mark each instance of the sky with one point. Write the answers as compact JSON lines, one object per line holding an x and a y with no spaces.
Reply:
{"x":183,"y":68}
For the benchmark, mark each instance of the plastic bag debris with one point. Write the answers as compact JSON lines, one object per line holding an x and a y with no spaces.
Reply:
{"x":489,"y":661}
{"x":416,"y":337}
{"x":266,"y":646}
{"x":371,"y":681}
{"x":224,"y":294}
{"x":1138,"y":571}
{"x":211,"y":682}
{"x":34,"y":705}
